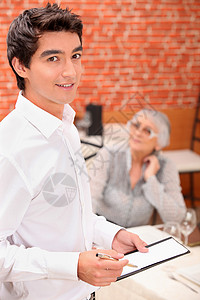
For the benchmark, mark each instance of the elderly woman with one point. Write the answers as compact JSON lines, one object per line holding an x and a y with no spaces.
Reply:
{"x":132,"y":182}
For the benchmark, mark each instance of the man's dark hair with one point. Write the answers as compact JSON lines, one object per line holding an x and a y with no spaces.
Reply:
{"x":28,"y":27}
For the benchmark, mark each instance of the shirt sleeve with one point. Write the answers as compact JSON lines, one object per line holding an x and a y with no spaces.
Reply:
{"x":18,"y":263}
{"x":164,"y":193}
{"x":105,"y":232}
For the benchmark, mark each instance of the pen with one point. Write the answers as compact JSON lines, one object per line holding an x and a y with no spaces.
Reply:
{"x":107,"y":256}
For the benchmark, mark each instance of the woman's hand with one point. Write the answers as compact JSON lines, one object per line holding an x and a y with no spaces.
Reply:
{"x":153,"y":166}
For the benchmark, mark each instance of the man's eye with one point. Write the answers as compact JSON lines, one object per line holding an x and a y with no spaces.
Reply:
{"x":76,"y":56}
{"x":53,"y":58}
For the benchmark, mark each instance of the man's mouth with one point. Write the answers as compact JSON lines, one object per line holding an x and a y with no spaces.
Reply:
{"x":65,"y":85}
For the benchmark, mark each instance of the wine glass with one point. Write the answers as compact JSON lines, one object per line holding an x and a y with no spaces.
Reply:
{"x":172,"y":228}
{"x":188,"y":223}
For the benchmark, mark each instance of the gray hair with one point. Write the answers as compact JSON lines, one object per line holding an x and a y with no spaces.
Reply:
{"x":161,"y":122}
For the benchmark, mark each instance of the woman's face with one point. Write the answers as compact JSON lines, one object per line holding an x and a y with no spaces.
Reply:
{"x":143,"y":135}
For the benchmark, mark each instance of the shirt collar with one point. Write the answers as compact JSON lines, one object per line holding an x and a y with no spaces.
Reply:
{"x":45,"y":122}
{"x":68,"y":115}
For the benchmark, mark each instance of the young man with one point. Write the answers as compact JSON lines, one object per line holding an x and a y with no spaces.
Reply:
{"x":47,"y":228}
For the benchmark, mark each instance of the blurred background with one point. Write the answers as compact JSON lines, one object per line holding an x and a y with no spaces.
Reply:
{"x":137,"y":53}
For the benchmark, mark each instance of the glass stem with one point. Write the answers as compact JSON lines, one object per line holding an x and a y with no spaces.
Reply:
{"x":186,"y":240}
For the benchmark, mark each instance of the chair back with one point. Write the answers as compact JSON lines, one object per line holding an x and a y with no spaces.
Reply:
{"x":195,"y":141}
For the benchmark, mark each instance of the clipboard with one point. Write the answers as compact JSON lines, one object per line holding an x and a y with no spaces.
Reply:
{"x":159,"y":252}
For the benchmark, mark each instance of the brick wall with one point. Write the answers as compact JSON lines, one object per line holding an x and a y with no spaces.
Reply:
{"x":135,"y":52}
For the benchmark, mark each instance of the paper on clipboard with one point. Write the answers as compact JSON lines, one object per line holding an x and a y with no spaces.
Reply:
{"x":159,"y":252}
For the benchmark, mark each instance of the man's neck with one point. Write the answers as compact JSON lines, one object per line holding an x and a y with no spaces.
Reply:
{"x":52,"y":108}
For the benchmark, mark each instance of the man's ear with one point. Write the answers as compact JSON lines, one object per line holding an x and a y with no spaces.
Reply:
{"x":19,"y":68}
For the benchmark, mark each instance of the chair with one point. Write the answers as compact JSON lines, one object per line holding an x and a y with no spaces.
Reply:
{"x":188,"y":160}
{"x":92,"y":123}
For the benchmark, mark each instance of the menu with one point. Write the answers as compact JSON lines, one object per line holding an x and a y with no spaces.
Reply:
{"x":159,"y":252}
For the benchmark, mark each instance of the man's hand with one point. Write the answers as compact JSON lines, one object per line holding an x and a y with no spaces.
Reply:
{"x":97,"y":271}
{"x":125,"y":241}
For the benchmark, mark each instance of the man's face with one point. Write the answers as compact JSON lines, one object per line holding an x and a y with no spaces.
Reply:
{"x":55,"y":70}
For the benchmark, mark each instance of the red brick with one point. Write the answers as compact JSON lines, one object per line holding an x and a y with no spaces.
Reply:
{"x":148,"y":46}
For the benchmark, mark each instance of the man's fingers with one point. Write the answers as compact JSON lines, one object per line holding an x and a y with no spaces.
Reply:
{"x":140,"y":244}
{"x":112,"y":264}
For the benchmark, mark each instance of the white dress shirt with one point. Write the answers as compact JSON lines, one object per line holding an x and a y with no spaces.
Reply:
{"x":46,"y":218}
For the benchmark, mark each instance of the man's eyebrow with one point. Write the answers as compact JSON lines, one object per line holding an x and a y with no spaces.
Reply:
{"x":54,"y":51}
{"x":79,"y":48}
{"x":50,"y":52}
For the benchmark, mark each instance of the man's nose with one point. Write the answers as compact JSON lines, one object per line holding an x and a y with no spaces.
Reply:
{"x":68,"y":69}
